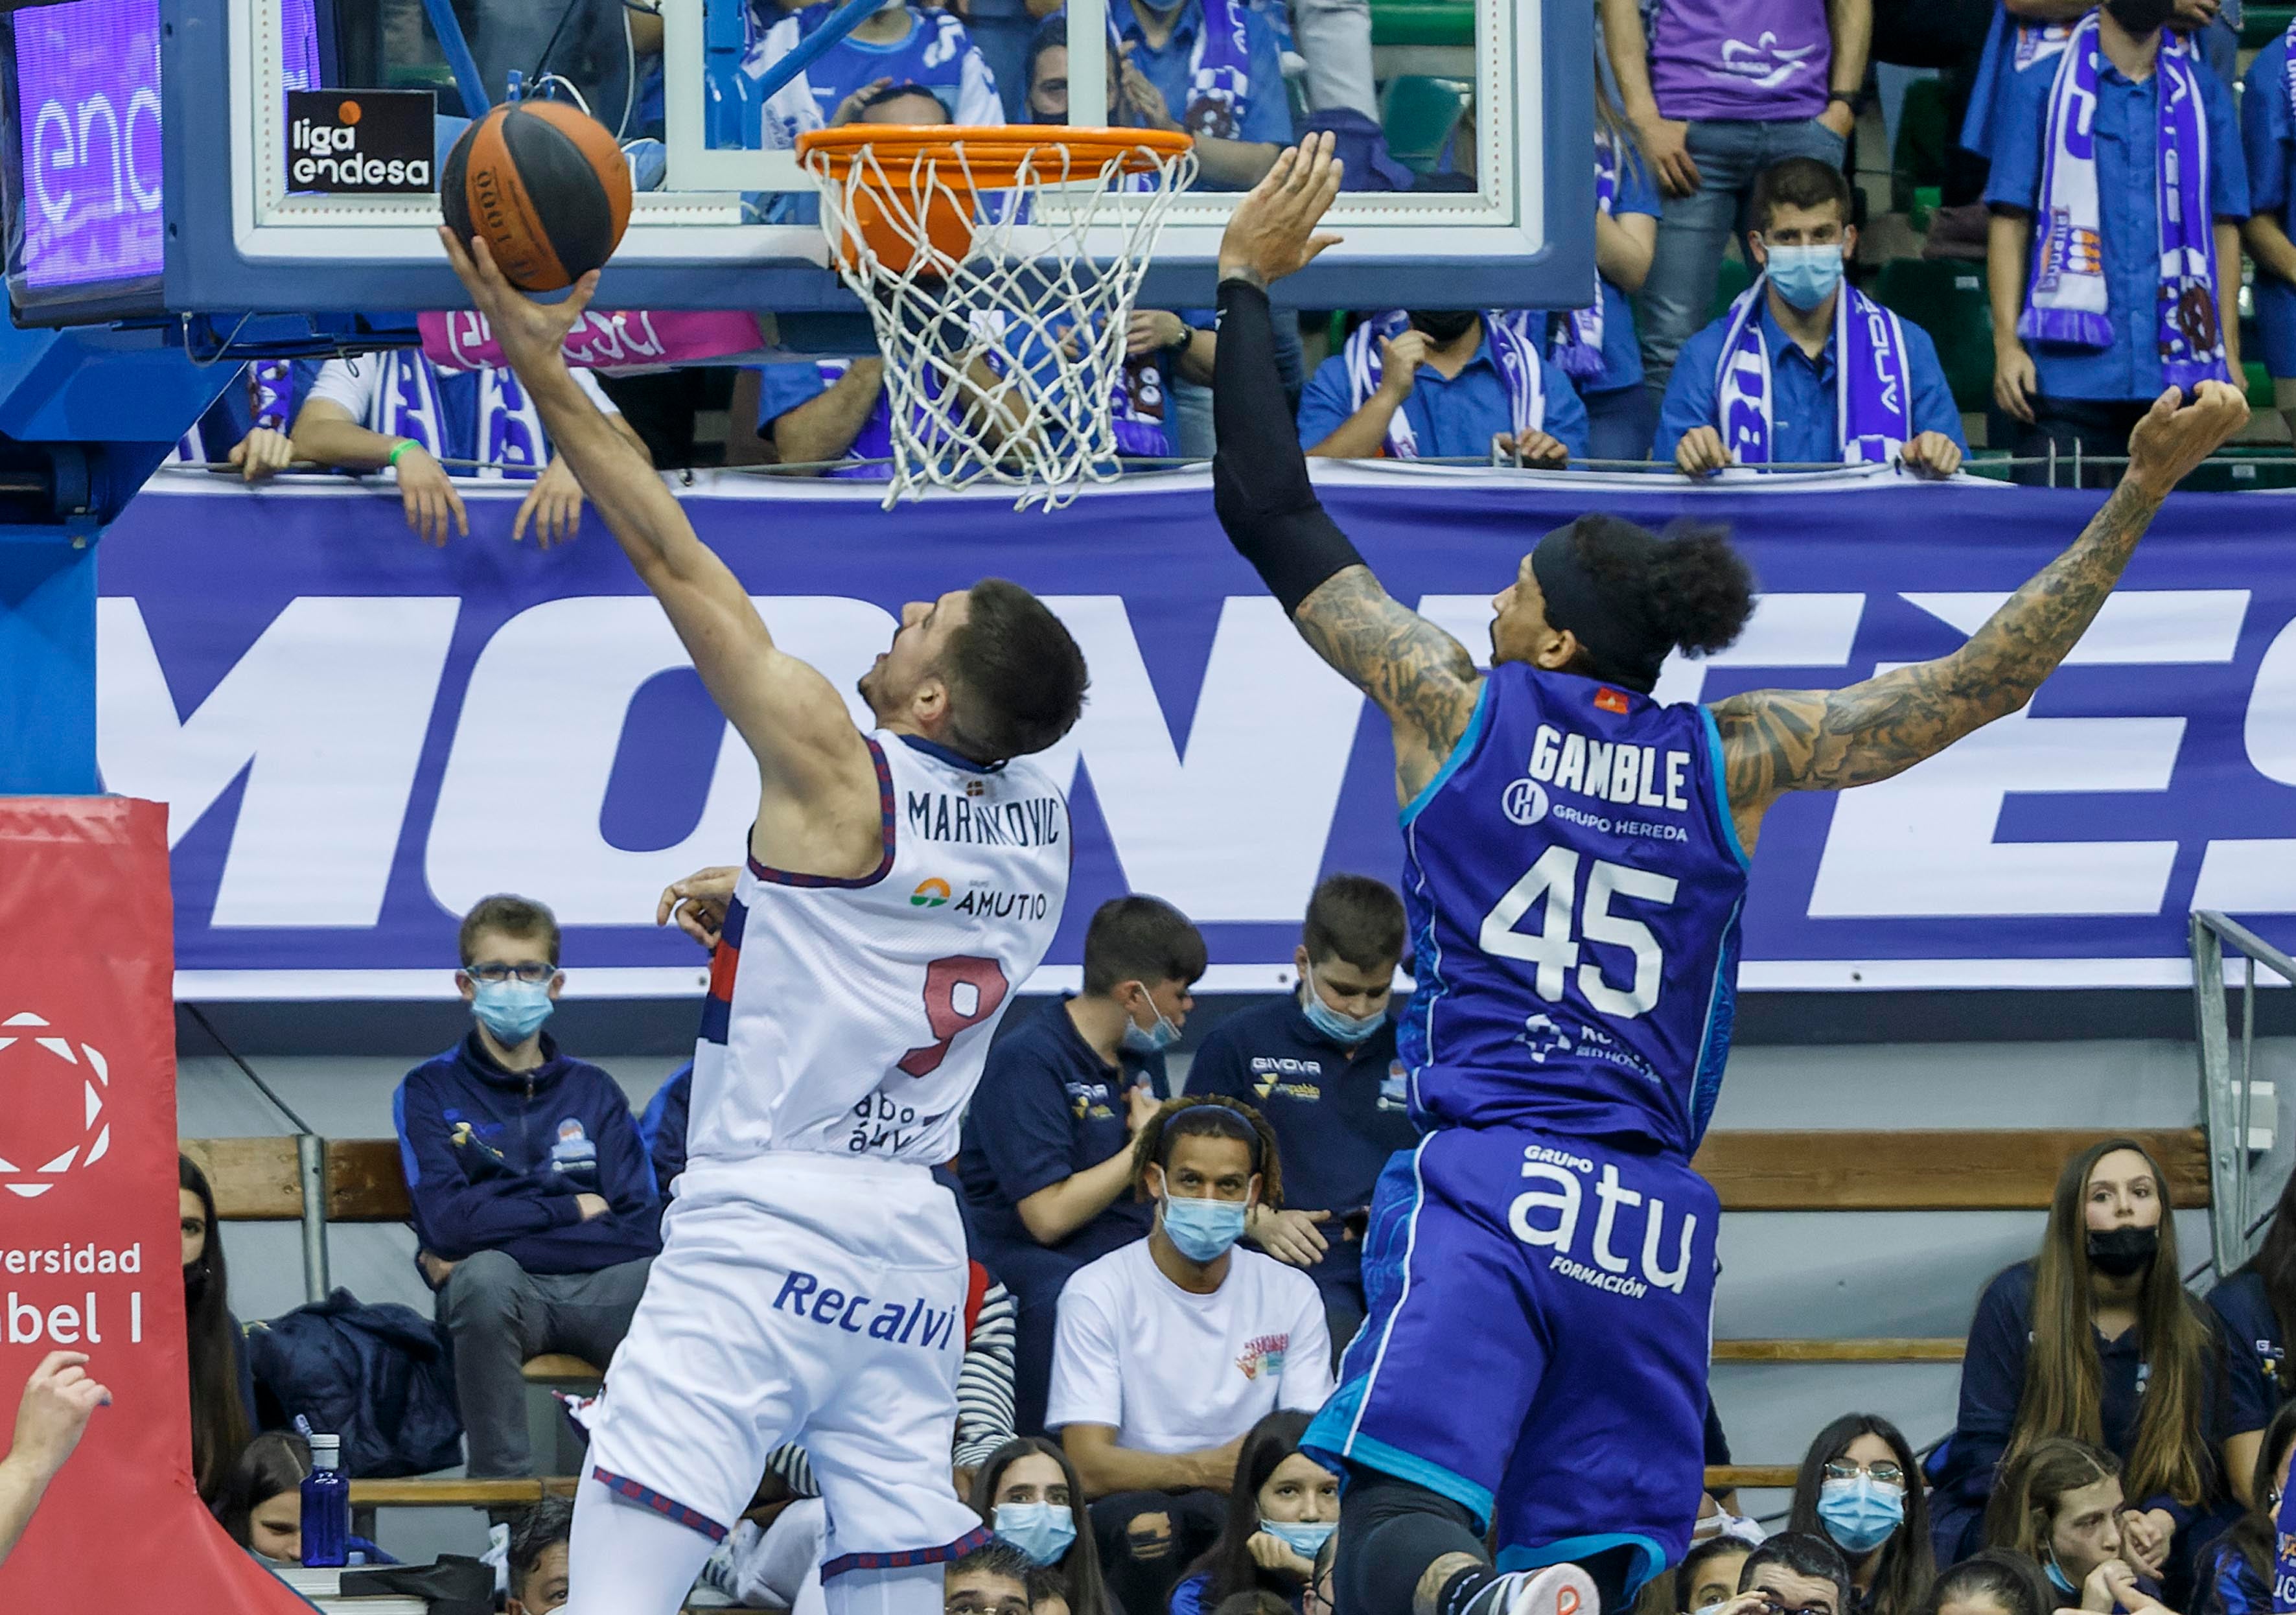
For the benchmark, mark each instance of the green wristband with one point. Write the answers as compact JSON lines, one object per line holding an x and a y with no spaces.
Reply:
{"x":405,"y":444}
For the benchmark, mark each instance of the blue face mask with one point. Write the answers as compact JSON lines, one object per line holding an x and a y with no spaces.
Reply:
{"x":1860,"y":1513}
{"x":1305,"y":1537}
{"x":1042,"y":1530}
{"x":1203,"y":1229}
{"x":1806,"y":276}
{"x":1338,"y":1027}
{"x":514,"y":1011}
{"x":2058,"y":1581}
{"x":1154,"y":1039}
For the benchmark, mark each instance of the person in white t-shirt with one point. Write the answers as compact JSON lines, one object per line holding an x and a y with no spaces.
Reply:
{"x":1170,"y":1349}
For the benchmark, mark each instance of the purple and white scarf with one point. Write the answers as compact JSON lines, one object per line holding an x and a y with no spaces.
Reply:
{"x":1137,"y":408}
{"x":2288,"y":68}
{"x":1873,"y":402}
{"x":2066,"y":298}
{"x":510,"y":443}
{"x":1578,"y":350}
{"x":1220,"y":70}
{"x":1513,"y":349}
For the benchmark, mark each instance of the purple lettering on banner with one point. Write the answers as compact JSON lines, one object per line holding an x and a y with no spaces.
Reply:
{"x":602,"y":339}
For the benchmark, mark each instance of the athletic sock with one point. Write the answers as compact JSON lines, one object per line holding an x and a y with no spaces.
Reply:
{"x":625,"y":1559}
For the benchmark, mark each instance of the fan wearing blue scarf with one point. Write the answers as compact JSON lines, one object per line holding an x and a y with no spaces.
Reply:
{"x":1804,"y":368}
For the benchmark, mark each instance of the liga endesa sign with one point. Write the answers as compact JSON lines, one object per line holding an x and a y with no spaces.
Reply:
{"x":90,"y":1258}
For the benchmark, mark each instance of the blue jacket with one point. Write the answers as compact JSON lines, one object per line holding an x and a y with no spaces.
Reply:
{"x":495,"y":1159}
{"x":662,"y":1126}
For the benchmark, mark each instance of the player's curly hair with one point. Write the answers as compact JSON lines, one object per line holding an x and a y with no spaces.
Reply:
{"x":1209,"y":1116}
{"x":1690,"y":586}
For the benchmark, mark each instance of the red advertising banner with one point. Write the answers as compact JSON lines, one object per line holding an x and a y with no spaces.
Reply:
{"x":90,"y":1257}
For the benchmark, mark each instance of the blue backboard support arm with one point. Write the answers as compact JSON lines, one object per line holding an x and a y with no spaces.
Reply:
{"x":810,"y":49}
{"x":457,"y":50}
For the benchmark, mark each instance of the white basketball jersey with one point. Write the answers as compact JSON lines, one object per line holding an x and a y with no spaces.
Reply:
{"x":851,"y":1016}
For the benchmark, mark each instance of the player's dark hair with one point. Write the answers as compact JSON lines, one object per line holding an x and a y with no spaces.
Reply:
{"x":1140,"y":939}
{"x":1016,"y":679}
{"x":1802,"y":1554}
{"x":219,"y":1427}
{"x":513,"y":916}
{"x":1079,"y":1569}
{"x":2010,"y":1581}
{"x":1798,"y":182}
{"x":1693,"y":589}
{"x":1908,"y":1564}
{"x":1228,"y":1562}
{"x":994,"y":1557}
{"x":2254,"y":1536}
{"x":1209,"y":1116}
{"x":1694,"y":1562}
{"x":1356,"y":919}
{"x":533,"y":1533}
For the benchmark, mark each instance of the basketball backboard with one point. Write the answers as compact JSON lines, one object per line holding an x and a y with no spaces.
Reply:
{"x":120,"y":218}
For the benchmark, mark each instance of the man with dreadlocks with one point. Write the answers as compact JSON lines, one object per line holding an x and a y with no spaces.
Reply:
{"x":1171,"y":1348}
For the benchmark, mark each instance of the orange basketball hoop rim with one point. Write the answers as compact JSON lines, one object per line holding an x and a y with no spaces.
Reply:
{"x":910,"y":189}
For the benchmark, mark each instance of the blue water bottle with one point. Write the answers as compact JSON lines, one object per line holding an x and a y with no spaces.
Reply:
{"x":327,"y":1504}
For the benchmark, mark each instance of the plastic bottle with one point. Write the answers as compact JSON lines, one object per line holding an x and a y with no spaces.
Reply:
{"x":327,"y":1504}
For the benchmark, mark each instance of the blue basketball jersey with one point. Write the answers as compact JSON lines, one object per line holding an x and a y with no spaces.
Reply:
{"x":1574,"y":882}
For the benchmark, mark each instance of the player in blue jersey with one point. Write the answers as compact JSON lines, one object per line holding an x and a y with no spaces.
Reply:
{"x":1540,"y":1271}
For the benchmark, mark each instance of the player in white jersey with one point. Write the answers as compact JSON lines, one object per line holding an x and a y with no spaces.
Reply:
{"x":898,"y":885}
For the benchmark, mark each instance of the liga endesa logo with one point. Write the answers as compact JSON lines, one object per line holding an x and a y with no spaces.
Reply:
{"x":329,"y":155}
{"x":53,"y":1091}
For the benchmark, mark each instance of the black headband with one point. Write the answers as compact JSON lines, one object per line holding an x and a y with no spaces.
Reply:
{"x":1620,"y":645}
{"x":1236,"y":1124}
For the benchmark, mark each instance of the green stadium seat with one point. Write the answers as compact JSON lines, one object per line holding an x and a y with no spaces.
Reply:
{"x":1736,"y":277}
{"x":1419,"y":111}
{"x":2260,"y":25}
{"x":1923,"y":139}
{"x":2259,"y":383}
{"x":1948,"y":300}
{"x":1422,"y":22}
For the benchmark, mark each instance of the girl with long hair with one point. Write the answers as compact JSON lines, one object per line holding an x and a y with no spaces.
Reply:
{"x":1997,"y":1581}
{"x":1281,"y":1509}
{"x":222,"y":1389}
{"x":1861,"y":1490}
{"x":2236,"y":1573}
{"x":260,"y":1505}
{"x":2257,"y":1304}
{"x":1028,"y":1493}
{"x":2060,"y":1503}
{"x":2095,"y":1338}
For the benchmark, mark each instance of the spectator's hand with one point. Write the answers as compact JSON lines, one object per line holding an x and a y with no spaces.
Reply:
{"x":2191,"y":16}
{"x":1140,"y":1107}
{"x":1215,"y":1468}
{"x":1666,"y":147}
{"x":2015,"y":382}
{"x":1399,"y":359}
{"x":554,"y":503}
{"x":1145,"y":99}
{"x":1290,"y":1236}
{"x":1932,"y":454}
{"x":592,"y":1205}
{"x":430,"y":498}
{"x":1701,"y":452}
{"x":849,"y":109}
{"x":263,"y":454}
{"x":436,"y":1268}
{"x":1838,"y":118}
{"x":2101,"y":1589}
{"x":1151,"y":331}
{"x":1272,"y":231}
{"x":2144,"y":1538}
{"x":1532,"y":447}
{"x":1274,"y":1554}
{"x":532,"y":335}
{"x":2170,"y":441}
{"x":698,"y":903}
{"x":58,"y":1399}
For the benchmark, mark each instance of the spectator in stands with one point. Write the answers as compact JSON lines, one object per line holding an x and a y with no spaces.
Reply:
{"x":2255,"y":1305}
{"x":1707,"y":1576}
{"x":2089,"y":325}
{"x":992,"y":1579}
{"x":903,"y":46}
{"x":1442,"y":383}
{"x":1596,"y":346}
{"x":1006,"y":33}
{"x":1794,"y":1573}
{"x":2095,"y":1338}
{"x":534,"y":1204}
{"x":1173,"y":1347}
{"x":662,"y":1127}
{"x":1209,"y":68}
{"x":1860,"y":1488}
{"x":1995,"y":1582}
{"x":58,"y":1398}
{"x":1046,"y":1159}
{"x":1334,"y":39}
{"x":1047,"y":1593}
{"x":2236,"y":1572}
{"x":1282,"y":1507}
{"x":1256,"y":1601}
{"x":261,"y":1508}
{"x":1805,"y":367}
{"x":247,"y":425}
{"x":223,"y":1387}
{"x":539,"y":1541}
{"x":1028,"y":1493}
{"x":2060,"y":1502}
{"x":1321,"y":1066}
{"x":397,"y":412}
{"x":1717,"y":92}
{"x":2267,"y":131}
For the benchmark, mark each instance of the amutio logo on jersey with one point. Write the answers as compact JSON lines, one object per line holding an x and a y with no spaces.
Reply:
{"x":1618,"y":772}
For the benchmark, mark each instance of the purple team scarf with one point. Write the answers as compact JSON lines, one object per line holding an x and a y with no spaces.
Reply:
{"x":408,"y":405}
{"x":1219,"y":72}
{"x":1577,"y":350}
{"x":1138,"y":409}
{"x":1513,"y":348}
{"x":1872,"y":403}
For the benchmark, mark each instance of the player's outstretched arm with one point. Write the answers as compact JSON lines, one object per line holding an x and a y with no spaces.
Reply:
{"x":1421,"y":677}
{"x":1776,"y":741}
{"x":793,"y":720}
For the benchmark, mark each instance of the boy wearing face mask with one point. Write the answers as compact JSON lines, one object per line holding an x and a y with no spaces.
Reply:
{"x":1171,"y":1349}
{"x":1047,"y":1160}
{"x":533,"y":1199}
{"x":1438,"y":383}
{"x":1321,"y":1066}
{"x":1804,"y":368}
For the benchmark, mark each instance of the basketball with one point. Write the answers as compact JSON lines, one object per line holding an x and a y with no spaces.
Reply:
{"x":546,"y":184}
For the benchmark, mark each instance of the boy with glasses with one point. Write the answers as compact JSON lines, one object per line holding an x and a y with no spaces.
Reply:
{"x":533,"y":1199}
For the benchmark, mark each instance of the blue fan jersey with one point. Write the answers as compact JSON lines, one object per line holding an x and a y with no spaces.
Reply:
{"x":1574,"y":883}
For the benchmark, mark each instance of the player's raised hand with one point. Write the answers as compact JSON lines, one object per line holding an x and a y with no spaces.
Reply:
{"x":528,"y":331}
{"x":1271,"y":232}
{"x":2173,"y":435}
{"x":698,"y":903}
{"x":57,"y":1401}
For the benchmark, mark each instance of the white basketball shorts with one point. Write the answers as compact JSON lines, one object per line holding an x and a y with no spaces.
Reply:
{"x":800,"y":1297}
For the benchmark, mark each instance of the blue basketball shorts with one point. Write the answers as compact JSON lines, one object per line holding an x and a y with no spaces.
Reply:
{"x":1540,"y":1314}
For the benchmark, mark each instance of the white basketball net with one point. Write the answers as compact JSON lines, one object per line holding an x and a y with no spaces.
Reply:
{"x":1003,"y":366}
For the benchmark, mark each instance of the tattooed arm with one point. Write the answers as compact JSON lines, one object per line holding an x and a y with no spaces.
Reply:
{"x":1420,"y":676}
{"x":1776,"y":741}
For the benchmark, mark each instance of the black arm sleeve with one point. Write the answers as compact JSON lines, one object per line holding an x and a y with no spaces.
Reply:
{"x":1259,"y":477}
